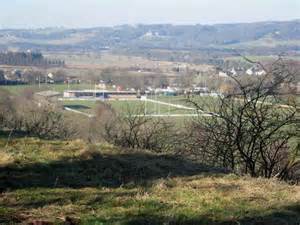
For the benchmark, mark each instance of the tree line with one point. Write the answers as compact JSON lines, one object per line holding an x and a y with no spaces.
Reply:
{"x":28,"y":59}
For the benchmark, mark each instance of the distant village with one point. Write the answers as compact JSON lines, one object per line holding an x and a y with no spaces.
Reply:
{"x":25,"y":76}
{"x":241,"y":71}
{"x":109,"y":90}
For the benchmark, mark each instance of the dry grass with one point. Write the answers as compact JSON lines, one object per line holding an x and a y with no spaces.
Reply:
{"x":155,"y":189}
{"x":109,"y":60}
{"x":5,"y":158}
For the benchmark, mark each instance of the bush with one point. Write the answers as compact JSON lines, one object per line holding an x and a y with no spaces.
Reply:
{"x":250,"y":130}
{"x":137,"y":131}
{"x":21,"y":115}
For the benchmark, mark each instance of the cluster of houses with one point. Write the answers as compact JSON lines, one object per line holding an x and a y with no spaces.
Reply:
{"x":11,"y":77}
{"x":100,"y":94}
{"x":253,"y":71}
{"x":167,"y":91}
{"x":119,"y":95}
{"x":174,"y":91}
{"x":14,"y":77}
{"x":54,"y":79}
{"x":103,"y":94}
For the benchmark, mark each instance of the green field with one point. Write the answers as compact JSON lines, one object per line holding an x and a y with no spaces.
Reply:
{"x":205,"y":103}
{"x":261,"y":58}
{"x":18,"y":89}
{"x":130,"y":106}
{"x":120,"y":106}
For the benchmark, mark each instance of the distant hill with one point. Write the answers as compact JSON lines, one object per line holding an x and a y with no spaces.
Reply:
{"x":262,"y":37}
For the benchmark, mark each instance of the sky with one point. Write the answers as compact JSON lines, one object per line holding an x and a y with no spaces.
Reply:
{"x":94,"y":13}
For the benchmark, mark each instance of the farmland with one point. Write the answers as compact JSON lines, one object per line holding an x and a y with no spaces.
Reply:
{"x":120,"y":106}
{"x":130,"y":106}
{"x":18,"y":89}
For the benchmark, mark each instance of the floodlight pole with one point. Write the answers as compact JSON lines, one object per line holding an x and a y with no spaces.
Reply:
{"x":156,"y":105}
{"x":169,"y":105}
{"x":145,"y":108}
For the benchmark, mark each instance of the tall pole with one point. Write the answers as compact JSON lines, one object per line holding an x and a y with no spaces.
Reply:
{"x":103,"y":90}
{"x":156,"y":105}
{"x":39,"y":82}
{"x":169,"y":105}
{"x":145,"y":108}
{"x":95,"y":91}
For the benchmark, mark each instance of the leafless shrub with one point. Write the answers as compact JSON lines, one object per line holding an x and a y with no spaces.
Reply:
{"x":251,"y":129}
{"x":138,"y":131}
{"x":95,"y":129}
{"x":23,"y":115}
{"x":45,"y":123}
{"x":6,"y":108}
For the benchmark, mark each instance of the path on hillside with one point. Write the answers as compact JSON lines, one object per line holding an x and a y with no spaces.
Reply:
{"x":170,"y":104}
{"x":276,"y":104}
{"x":79,"y":112}
{"x":200,"y":112}
{"x":173,"y":115}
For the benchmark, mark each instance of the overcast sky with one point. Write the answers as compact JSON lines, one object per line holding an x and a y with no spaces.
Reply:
{"x":91,"y":13}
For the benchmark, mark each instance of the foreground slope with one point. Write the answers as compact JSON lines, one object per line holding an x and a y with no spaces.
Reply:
{"x":55,"y":182}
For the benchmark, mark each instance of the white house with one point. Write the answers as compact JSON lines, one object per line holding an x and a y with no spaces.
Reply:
{"x":260,"y":73}
{"x":233,"y":71}
{"x":50,"y":75}
{"x":249,"y":72}
{"x":223,"y":74}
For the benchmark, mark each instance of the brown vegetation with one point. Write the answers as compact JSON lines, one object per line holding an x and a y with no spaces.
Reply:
{"x":250,"y":131}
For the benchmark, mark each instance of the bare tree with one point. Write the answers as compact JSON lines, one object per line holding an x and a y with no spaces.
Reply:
{"x":7,"y":109}
{"x":22,"y":115}
{"x":251,"y":129}
{"x":137,"y":131}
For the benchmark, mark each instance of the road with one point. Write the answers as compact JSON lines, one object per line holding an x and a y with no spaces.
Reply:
{"x":173,"y":115}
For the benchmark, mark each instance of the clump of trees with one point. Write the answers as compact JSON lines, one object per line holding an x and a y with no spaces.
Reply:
{"x":254,"y":129}
{"x":28,"y":59}
{"x":135,"y":130}
{"x":20,"y":115}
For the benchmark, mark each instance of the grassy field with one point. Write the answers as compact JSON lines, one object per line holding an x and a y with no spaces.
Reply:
{"x":108,"y":60}
{"x":259,"y":58}
{"x":206,"y":103}
{"x":130,"y":106}
{"x":54,"y":181}
{"x":147,"y":107}
{"x":18,"y":89}
{"x":119,"y":106}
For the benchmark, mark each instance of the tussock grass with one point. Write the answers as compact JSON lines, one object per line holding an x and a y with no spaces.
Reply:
{"x":55,"y":181}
